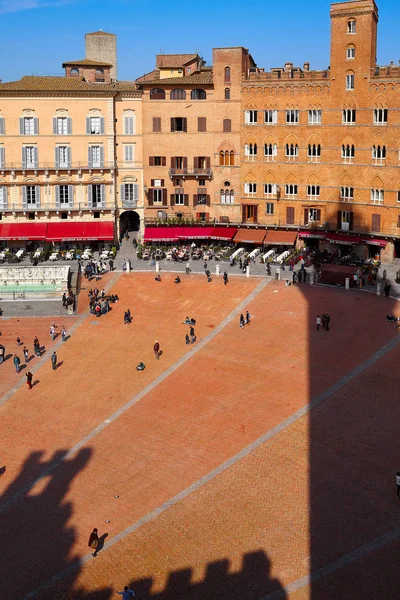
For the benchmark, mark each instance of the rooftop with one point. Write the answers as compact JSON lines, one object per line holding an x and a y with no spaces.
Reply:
{"x":199,"y":77}
{"x":34,"y":83}
{"x":87,"y":62}
{"x":174,"y":60}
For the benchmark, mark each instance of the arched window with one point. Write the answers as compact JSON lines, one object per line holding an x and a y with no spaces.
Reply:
{"x":351,"y":26}
{"x":227,"y":75}
{"x":227,"y":195}
{"x":222,"y":158}
{"x":379,"y":153}
{"x":350,"y":52}
{"x":227,"y":94}
{"x":157,"y":94}
{"x":227,"y":126}
{"x":74,"y":71}
{"x":99,"y":71}
{"x":178,"y":94}
{"x":198,"y":95}
{"x":231,"y":158}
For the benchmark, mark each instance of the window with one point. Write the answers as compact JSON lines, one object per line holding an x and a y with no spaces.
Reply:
{"x":97,"y":196}
{"x":99,"y":74}
{"x":95,"y":125}
{"x":270,"y":152}
{"x":64,"y":196}
{"x":158,"y":196}
{"x":290,"y":190}
{"x":74,"y":71}
{"x":290,"y":215}
{"x":156,"y":124}
{"x":198,"y":95}
{"x":62,"y":126}
{"x":29,"y":126}
{"x":270,"y":189}
{"x":380,"y":116}
{"x":348,"y":153}
{"x":177,"y":94}
{"x":377,"y":196}
{"x":314,"y":152}
{"x":129,"y":153}
{"x":96,"y":157}
{"x":271,"y":117}
{"x":269,"y":208}
{"x":314,"y":116}
{"x":157,"y":94}
{"x":129,"y":124}
{"x":350,"y":52}
{"x":63,"y":157}
{"x":2,"y":157}
{"x":3,"y":197}
{"x":250,"y":189}
{"x":376,"y":223}
{"x":30,"y":196}
{"x":312,"y":215}
{"x":292,"y":117}
{"x":250,"y":117}
{"x":227,"y":125}
{"x":379,"y":154}
{"x":99,"y":71}
{"x":347,"y":194}
{"x":2,"y":125}
{"x":130,"y":193}
{"x":180,"y":198}
{"x":201,"y":197}
{"x":250,"y":151}
{"x":201,"y":124}
{"x":227,"y":94}
{"x":348,"y":116}
{"x":157,"y":161}
{"x":351,"y":26}
{"x":398,"y":196}
{"x":313,"y":191}
{"x":30,"y":156}
{"x":226,"y":159}
{"x":292,"y":151}
{"x":227,"y":75}
{"x":179,"y":124}
{"x":350,"y":81}
{"x":227,"y":195}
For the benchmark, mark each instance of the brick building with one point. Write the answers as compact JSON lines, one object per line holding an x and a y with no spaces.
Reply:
{"x":320,"y":149}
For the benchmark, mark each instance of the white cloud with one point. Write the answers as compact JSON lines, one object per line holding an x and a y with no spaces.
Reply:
{"x":11,"y":6}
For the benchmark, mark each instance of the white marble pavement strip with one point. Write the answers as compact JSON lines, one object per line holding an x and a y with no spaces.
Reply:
{"x":47,"y":356}
{"x":355,"y":555}
{"x":87,"y":438}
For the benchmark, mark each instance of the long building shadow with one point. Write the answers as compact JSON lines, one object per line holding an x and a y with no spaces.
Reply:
{"x":36,"y":535}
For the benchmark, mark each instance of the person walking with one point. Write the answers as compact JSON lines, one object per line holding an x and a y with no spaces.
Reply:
{"x":26,"y":354}
{"x":94,"y":541}
{"x":19,"y":343}
{"x":225,"y":277}
{"x":36,"y":346}
{"x":398,"y":483}
{"x":241,"y":321}
{"x":247,"y":317}
{"x":63,"y":334}
{"x":323,"y":321}
{"x":2,"y":353}
{"x":318,"y":322}
{"x":127,"y":593}
{"x":52,"y":331}
{"x":17,"y":363}
{"x":64,"y":300}
{"x":156,"y":349}
{"x":111,"y":264}
{"x":327,"y":321}
{"x":54,"y":360}
{"x":29,"y":377}
{"x":192,"y":335}
{"x":187,"y":339}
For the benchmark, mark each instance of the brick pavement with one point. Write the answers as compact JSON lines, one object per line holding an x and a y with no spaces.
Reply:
{"x":203,"y":413}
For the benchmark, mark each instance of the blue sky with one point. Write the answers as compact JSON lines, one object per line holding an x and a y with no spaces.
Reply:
{"x":38,"y":35}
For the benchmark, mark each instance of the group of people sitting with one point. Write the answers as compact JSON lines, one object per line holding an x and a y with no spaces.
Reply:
{"x":158,"y":278}
{"x":99,"y":302}
{"x":127,"y":317}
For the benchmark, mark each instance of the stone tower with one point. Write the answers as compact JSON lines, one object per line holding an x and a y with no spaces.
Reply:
{"x":102,"y":46}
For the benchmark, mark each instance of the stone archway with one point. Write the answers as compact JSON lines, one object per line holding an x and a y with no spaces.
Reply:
{"x":129,"y":221}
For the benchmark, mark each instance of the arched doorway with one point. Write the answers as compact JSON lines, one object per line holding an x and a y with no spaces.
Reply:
{"x":129,"y":221}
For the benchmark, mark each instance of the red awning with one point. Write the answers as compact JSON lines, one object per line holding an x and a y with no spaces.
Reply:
{"x":23,"y":231}
{"x":312,"y":234}
{"x":337,"y":238}
{"x":250,"y":236}
{"x":160,"y":234}
{"x":194,"y":233}
{"x":375,"y":242}
{"x":80,"y":232}
{"x":223,"y":233}
{"x":280,"y":238}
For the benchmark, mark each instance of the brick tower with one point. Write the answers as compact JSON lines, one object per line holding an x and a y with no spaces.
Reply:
{"x":102,"y":46}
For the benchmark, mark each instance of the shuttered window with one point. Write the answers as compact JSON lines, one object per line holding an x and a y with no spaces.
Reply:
{"x":376,"y":223}
{"x":201,"y":124}
{"x":156,"y":124}
{"x":290,"y":215}
{"x":129,"y":153}
{"x":227,"y":126}
{"x":129,"y":125}
{"x":2,"y":157}
{"x":29,"y":126}
{"x":2,"y":126}
{"x":95,"y":125}
{"x":179,"y":124}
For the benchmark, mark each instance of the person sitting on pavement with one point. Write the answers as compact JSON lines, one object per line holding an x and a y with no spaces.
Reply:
{"x":177,"y":279}
{"x":157,"y":277}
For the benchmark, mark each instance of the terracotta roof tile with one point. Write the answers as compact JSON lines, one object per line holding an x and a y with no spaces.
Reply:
{"x":32,"y":83}
{"x":202,"y":77}
{"x":173,"y":60}
{"x":89,"y":62}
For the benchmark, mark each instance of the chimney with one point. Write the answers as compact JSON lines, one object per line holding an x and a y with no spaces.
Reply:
{"x":288,"y":66}
{"x":306,"y":66}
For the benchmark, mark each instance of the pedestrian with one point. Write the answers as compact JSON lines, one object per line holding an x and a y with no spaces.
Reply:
{"x":268,"y":270}
{"x":127,"y":593}
{"x":327,"y":321}
{"x":247,"y":317}
{"x":127,"y":317}
{"x":318,"y":322}
{"x":26,"y":354}
{"x":19,"y":343}
{"x":64,"y":300}
{"x":54,"y":360}
{"x":241,"y":321}
{"x":2,"y":353}
{"x":111,"y":264}
{"x":323,"y":321}
{"x":387,"y":289}
{"x":156,"y":349}
{"x":63,"y":334}
{"x":398,"y":483}
{"x":240,"y":264}
{"x":36,"y":346}
{"x":17,"y":362}
{"x":94,"y":541}
{"x":187,"y":339}
{"x":225,"y":277}
{"x":205,"y":265}
{"x":294,"y":277}
{"x":29,"y":377}
{"x":52,"y":331}
{"x":192,"y":334}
